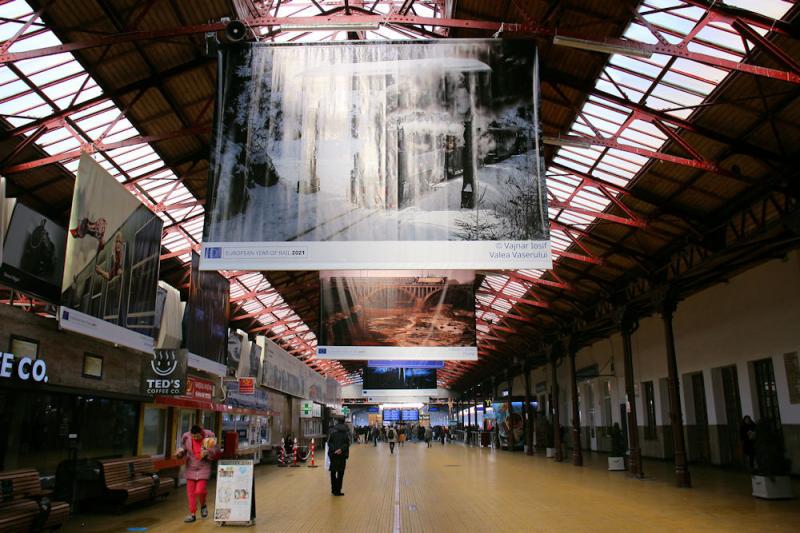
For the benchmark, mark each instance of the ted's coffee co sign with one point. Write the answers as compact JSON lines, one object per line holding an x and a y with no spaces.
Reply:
{"x":23,"y":368}
{"x":164,"y":374}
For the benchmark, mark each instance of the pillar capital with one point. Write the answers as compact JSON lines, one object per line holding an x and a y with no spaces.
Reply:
{"x":625,"y":317}
{"x":665,"y":300}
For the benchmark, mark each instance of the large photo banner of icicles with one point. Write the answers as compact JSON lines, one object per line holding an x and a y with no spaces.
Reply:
{"x":383,"y":315}
{"x":403,"y":154}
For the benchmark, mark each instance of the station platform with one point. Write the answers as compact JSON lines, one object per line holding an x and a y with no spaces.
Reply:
{"x":463,"y":489}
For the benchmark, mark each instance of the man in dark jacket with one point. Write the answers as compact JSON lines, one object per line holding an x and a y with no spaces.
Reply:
{"x":338,"y":452}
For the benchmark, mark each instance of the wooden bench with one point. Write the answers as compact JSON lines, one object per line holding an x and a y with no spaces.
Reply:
{"x":134,"y":479}
{"x":24,"y":506}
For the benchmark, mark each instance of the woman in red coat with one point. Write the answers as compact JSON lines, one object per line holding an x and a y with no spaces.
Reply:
{"x":199,"y":446}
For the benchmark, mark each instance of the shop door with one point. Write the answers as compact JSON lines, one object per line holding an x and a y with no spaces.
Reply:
{"x":733,"y":414}
{"x":701,"y":448}
{"x":185,"y":423}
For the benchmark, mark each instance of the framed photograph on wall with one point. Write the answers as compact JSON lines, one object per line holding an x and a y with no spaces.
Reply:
{"x":92,"y":366}
{"x":23,"y":347}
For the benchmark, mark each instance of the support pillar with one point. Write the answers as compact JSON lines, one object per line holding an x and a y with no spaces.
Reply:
{"x":556,"y":412}
{"x":682,"y":476}
{"x":528,"y":413}
{"x":628,"y":324}
{"x":511,"y":438}
{"x":577,"y":453}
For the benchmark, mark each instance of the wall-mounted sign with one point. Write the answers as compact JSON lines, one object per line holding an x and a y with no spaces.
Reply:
{"x":247,"y":385}
{"x":22,"y":368}
{"x":164,"y":373}
{"x":199,"y":389}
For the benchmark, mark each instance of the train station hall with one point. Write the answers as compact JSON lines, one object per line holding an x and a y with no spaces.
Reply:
{"x":399,"y":266}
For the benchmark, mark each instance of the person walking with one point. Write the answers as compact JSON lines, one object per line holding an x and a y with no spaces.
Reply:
{"x":199,"y":447}
{"x":428,"y":436}
{"x":747,"y":434}
{"x":401,"y":435}
{"x":338,"y":453}
{"x":375,"y":434}
{"x":391,"y":436}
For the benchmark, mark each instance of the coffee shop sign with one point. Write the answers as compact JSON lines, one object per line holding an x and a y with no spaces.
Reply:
{"x":27,"y":369}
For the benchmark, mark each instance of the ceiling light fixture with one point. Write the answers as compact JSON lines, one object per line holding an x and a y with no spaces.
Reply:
{"x":599,"y":46}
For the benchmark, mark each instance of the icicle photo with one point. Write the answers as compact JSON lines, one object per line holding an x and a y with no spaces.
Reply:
{"x":386,"y":155}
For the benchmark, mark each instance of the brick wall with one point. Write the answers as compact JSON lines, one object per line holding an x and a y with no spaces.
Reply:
{"x":63,"y":352}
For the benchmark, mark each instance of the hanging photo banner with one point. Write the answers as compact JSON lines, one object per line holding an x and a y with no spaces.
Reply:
{"x":396,"y":315}
{"x":208,"y":317}
{"x":33,"y":254}
{"x":403,"y":154}
{"x":112,"y":261}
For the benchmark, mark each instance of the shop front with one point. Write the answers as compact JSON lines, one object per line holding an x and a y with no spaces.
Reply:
{"x":247,"y":414}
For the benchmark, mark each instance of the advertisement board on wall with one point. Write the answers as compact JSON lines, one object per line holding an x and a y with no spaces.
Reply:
{"x":112,"y":261}
{"x":397,"y":314}
{"x":33,"y":254}
{"x":283,"y":372}
{"x":398,"y":154}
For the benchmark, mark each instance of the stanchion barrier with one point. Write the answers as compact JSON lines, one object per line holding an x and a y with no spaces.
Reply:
{"x":312,"y":465}
{"x":294,"y":454}
{"x":282,"y":454}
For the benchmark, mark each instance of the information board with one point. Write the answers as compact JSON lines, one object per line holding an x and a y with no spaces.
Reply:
{"x":409,"y":415}
{"x":391,"y":415}
{"x":235,"y":499}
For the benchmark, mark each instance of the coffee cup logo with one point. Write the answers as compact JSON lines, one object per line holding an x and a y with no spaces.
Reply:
{"x":164,"y":362}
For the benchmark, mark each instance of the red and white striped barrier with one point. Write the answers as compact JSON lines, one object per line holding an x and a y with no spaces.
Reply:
{"x":312,"y":465}
{"x":294,"y":454}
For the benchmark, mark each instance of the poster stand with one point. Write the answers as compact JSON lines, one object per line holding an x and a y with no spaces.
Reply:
{"x":236,"y":492}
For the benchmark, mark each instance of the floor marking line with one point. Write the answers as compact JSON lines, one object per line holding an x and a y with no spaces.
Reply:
{"x":397,"y":494}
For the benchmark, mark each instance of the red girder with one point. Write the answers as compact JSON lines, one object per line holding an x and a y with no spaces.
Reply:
{"x":521,"y":29}
{"x":102,"y":147}
{"x":510,"y":298}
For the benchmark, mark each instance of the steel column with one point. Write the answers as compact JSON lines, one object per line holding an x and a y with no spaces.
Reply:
{"x":628,"y":325}
{"x":683,"y":477}
{"x":556,"y":412}
{"x":577,"y":453}
{"x":528,"y":413}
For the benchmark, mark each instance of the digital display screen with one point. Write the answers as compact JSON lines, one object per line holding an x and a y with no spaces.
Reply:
{"x":410,"y":415}
{"x":391,"y":415}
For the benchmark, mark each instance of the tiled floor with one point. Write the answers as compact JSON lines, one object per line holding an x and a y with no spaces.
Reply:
{"x":460,"y":489}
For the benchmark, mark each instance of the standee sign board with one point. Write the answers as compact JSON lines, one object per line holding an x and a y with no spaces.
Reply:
{"x":235,"y":498}
{"x":398,"y":154}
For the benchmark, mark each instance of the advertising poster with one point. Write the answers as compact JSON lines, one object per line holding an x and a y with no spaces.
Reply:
{"x":209,"y":293}
{"x":410,"y":314}
{"x":112,"y":261}
{"x":511,"y":426}
{"x":283,"y":372}
{"x":234,"y":498}
{"x":33,"y":254}
{"x":399,"y":154}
